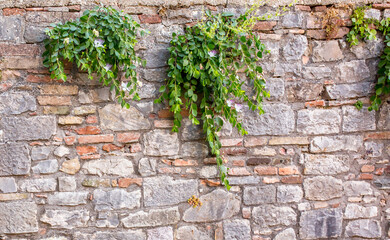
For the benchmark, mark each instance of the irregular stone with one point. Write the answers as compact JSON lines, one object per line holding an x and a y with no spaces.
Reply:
{"x":194,"y":149}
{"x":161,"y":143}
{"x":31,"y":128}
{"x":288,"y":233}
{"x":238,"y":229}
{"x":191,"y":233}
{"x":116,"y":199}
{"x":46,"y":167}
{"x":67,"y":184}
{"x":111,"y":166}
{"x":304,"y":91}
{"x":383,"y":183}
{"x":323,"y":223}
{"x":61,"y":151}
{"x":217,"y":205}
{"x":114,"y":117}
{"x":84,"y":110}
{"x":259,"y":195}
{"x":284,"y":69}
{"x":266,"y":216}
{"x":18,"y":217}
{"x":191,"y":132}
{"x":365,"y":228}
{"x":292,"y":20}
{"x":66,"y":219}
{"x":326,"y":164}
{"x":59,"y":110}
{"x":289,"y":141}
{"x":96,"y":182}
{"x":357,"y":188}
{"x":373,"y":149}
{"x":358,"y":120}
{"x":347,"y":91}
{"x":34,"y":34}
{"x":209,"y":172}
{"x":275,"y":86}
{"x":326,"y":51}
{"x":70,"y":120}
{"x":147,"y":167}
{"x":70,"y":166}
{"x":161,"y":233}
{"x":316,"y":73}
{"x":154,"y":75}
{"x":354,"y":211}
{"x":322,"y":188}
{"x":117,"y":235}
{"x":249,"y":180}
{"x":372,"y":13}
{"x":353,"y":71}
{"x":326,"y":144}
{"x":14,"y":159}
{"x":147,"y":90}
{"x":289,"y":194}
{"x":11,"y":28}
{"x":384,"y":117}
{"x":155,"y":217}
{"x":278,"y":119}
{"x":294,"y":47}
{"x":8,"y":185}
{"x":368,"y":49}
{"x":157,"y":57}
{"x":68,"y":198}
{"x":162,"y":191}
{"x":38,"y":185}
{"x":318,"y":121}
{"x":40,"y":153}
{"x":17,"y":103}
{"x":107,"y":220}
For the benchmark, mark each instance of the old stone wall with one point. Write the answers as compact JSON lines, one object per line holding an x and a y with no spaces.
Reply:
{"x":75,"y":165}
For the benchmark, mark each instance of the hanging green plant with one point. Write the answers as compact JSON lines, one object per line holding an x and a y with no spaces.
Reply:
{"x":101,"y":42}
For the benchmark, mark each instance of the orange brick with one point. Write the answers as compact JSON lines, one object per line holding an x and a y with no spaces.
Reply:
{"x":270,"y":180}
{"x":70,"y":140}
{"x":85,"y":150}
{"x":91,"y":119}
{"x":233,"y":142}
{"x":135,"y":148}
{"x":184,"y":163}
{"x":74,"y":8}
{"x":126,"y":182}
{"x":107,"y":138}
{"x":35,"y":9}
{"x":381,"y":6}
{"x":111,"y":147}
{"x":163,"y":123}
{"x":367,"y":168}
{"x":379,"y":171}
{"x":13,"y":11}
{"x":90,"y":157}
{"x":316,"y":103}
{"x":292,"y":180}
{"x":377,"y":135}
{"x":170,"y":170}
{"x":264,"y":25}
{"x":320,"y":9}
{"x":151,"y":19}
{"x":238,"y":172}
{"x":366,"y":176}
{"x":266,"y":170}
{"x":54,"y":100}
{"x":239,"y":162}
{"x":88,"y":130}
{"x":128,"y":137}
{"x":38,"y":79}
{"x":59,"y":90}
{"x":291,"y":170}
{"x":303,"y":8}
{"x":255,"y":141}
{"x":210,"y":183}
{"x":234,"y":151}
{"x":246,"y":213}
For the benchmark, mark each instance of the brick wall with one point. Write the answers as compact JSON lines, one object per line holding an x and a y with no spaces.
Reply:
{"x":75,"y":165}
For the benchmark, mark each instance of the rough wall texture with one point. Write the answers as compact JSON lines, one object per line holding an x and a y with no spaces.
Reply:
{"x":74,"y":165}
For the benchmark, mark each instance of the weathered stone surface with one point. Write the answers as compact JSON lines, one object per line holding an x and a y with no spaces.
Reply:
{"x":354,"y":211}
{"x":217,"y":205}
{"x":96,"y":182}
{"x":11,"y":28}
{"x":161,"y":233}
{"x":292,"y":20}
{"x":46,"y":167}
{"x":325,"y":144}
{"x":357,"y":188}
{"x":275,"y":86}
{"x":322,"y":188}
{"x":162,"y":191}
{"x":155,"y":217}
{"x":66,"y":219}
{"x":107,"y":220}
{"x":67,"y":184}
{"x":294,"y":47}
{"x":304,"y":91}
{"x":191,"y":233}
{"x":18,"y":217}
{"x":14,"y":159}
{"x":34,"y":34}
{"x":71,"y":166}
{"x":373,"y":149}
{"x":116,"y":199}
{"x":383,"y":183}
{"x":156,"y":58}
{"x":194,"y":149}
{"x":248,"y":180}
{"x":364,"y":228}
{"x":384,"y":117}
{"x":238,"y":229}
{"x":368,"y":49}
{"x":372,"y":13}
{"x":114,"y":117}
{"x":110,"y":166}
{"x":84,"y":110}
{"x":16,"y":103}
{"x":289,"y":234}
{"x":38,"y":185}
{"x":319,"y":121}
{"x":68,"y":198}
{"x":7,"y":185}
{"x":259,"y":195}
{"x":324,"y":223}
{"x":208,"y":172}
{"x":266,"y":216}
{"x":346,"y":91}
{"x":147,"y":167}
{"x":316,"y":73}
{"x":191,"y":131}
{"x":353,"y":71}
{"x":326,"y":51}
{"x":61,"y":151}
{"x":32,"y":128}
{"x":289,"y":193}
{"x":117,"y":235}
{"x":358,"y":120}
{"x":40,"y":153}
{"x":278,"y":119}
{"x":326,"y":164}
{"x":161,"y":143}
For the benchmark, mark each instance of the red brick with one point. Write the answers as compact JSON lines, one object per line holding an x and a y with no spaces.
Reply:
{"x":88,"y":130}
{"x":266,"y":170}
{"x":379,"y":171}
{"x":90,"y":157}
{"x":36,"y":144}
{"x":210,"y":183}
{"x":387,"y":170}
{"x":38,"y":79}
{"x":166,"y":113}
{"x":381,"y":6}
{"x":320,"y":9}
{"x":91,"y":119}
{"x":85,"y":150}
{"x":126,"y":182}
{"x":167,"y":162}
{"x":184,"y":163}
{"x":163,"y":123}
{"x":19,"y":49}
{"x":111,"y":147}
{"x":270,"y":180}
{"x":70,"y":140}
{"x":35,"y":9}
{"x":233,"y":142}
{"x":238,"y":172}
{"x":149,"y":19}
{"x":264,"y":25}
{"x":292,"y":180}
{"x":367,"y":168}
{"x":5,"y":86}
{"x":303,"y":8}
{"x":170,"y":170}
{"x":13,"y":11}
{"x":377,"y":135}
{"x":234,"y":151}
{"x":239,"y":163}
{"x":255,"y":141}
{"x":134,"y":148}
{"x":74,"y":8}
{"x":366,"y":176}
{"x":107,"y":138}
{"x":316,"y":103}
{"x":291,"y":170}
{"x":128,"y":137}
{"x":54,"y":100}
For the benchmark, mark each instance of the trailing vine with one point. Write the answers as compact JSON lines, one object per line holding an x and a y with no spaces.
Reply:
{"x":102,"y":41}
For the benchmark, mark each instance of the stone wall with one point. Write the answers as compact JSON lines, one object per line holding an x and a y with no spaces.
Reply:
{"x":75,"y":165}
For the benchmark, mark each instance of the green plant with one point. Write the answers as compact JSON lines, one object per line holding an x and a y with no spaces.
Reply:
{"x":102,"y":41}
{"x":203,"y":75}
{"x":362,"y":28}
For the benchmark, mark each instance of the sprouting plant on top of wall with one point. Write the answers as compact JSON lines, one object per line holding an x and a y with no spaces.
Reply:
{"x":203,"y":75}
{"x":332,"y":21}
{"x":363,"y":28}
{"x":100,"y":42}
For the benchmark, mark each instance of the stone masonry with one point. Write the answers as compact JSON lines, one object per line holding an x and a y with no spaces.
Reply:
{"x":75,"y":165}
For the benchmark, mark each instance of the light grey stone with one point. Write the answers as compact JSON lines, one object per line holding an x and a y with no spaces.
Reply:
{"x":292,"y":20}
{"x":259,"y":195}
{"x":288,"y":233}
{"x":289,"y":194}
{"x":31,"y":128}
{"x":354,"y":211}
{"x":347,"y":91}
{"x":294,"y":46}
{"x":357,"y":188}
{"x":116,"y":199}
{"x":365,"y":228}
{"x":68,"y":198}
{"x":14,"y":159}
{"x":323,"y":223}
{"x":191,"y":132}
{"x":322,"y":188}
{"x":155,"y":217}
{"x":46,"y":167}
{"x":18,"y":217}
{"x":383,"y":183}
{"x":278,"y":119}
{"x":248,"y":180}
{"x":17,"y":103}
{"x":353,"y":71}
{"x":8,"y":185}
{"x":161,"y":233}
{"x":161,"y":143}
{"x":372,"y":13}
{"x":114,"y":117}
{"x":117,"y":235}
{"x":358,"y":120}
{"x":66,"y":219}
{"x":157,"y":57}
{"x":209,"y":172}
{"x":34,"y":34}
{"x":38,"y":185}
{"x":217,"y":205}
{"x":326,"y":51}
{"x":109,"y":166}
{"x":147,"y":167}
{"x":194,"y":149}
{"x":327,"y":144}
{"x":284,"y":69}
{"x":191,"y":233}
{"x":107,"y":220}
{"x":238,"y":229}
{"x":275,"y":86}
{"x":368,"y":49}
{"x":147,"y":90}
{"x":273,"y":47}
{"x":304,"y":91}
{"x":61,"y":151}
{"x":67,"y":184}
{"x":154,"y":75}
{"x":316,"y":73}
{"x":319,"y":121}
{"x":266,"y":216}
{"x":40,"y":153}
{"x":384,"y":117}
{"x":11,"y":28}
{"x":373,"y":149}
{"x":163,"y":191}
{"x":326,"y":164}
